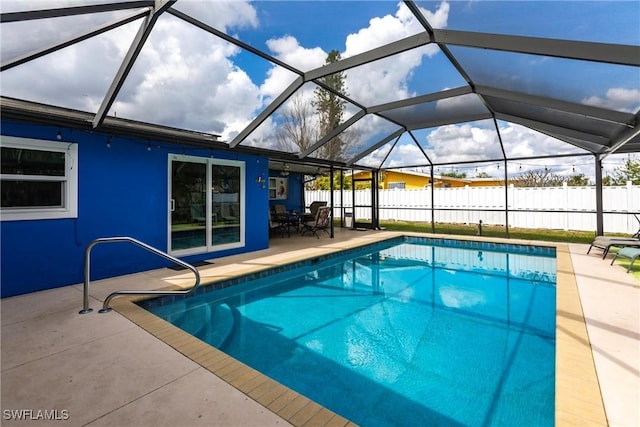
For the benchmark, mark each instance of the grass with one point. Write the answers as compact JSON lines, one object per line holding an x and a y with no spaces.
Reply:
{"x":570,"y":236}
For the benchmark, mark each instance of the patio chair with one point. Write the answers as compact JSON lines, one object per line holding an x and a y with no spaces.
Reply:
{"x":293,"y":219}
{"x":279,"y":223}
{"x":606,"y":243}
{"x":313,"y":211}
{"x":637,"y":233}
{"x":629,"y":253}
{"x":321,"y":222}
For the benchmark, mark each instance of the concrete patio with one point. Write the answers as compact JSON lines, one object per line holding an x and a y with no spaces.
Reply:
{"x":104,"y":369}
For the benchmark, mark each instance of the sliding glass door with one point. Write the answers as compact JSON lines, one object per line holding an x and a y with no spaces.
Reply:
{"x":225,"y":204}
{"x":206,"y":209}
{"x":187,"y":207}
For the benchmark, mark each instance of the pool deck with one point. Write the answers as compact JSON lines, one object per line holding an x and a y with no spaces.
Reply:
{"x":128,"y":368}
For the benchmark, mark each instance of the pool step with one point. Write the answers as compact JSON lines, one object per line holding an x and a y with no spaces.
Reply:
{"x":211,"y":323}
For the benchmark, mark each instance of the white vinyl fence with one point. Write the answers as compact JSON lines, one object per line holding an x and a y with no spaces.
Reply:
{"x":566,"y":208}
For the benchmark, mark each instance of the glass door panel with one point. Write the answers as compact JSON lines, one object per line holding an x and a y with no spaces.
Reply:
{"x":225,"y":204}
{"x":188,"y":205}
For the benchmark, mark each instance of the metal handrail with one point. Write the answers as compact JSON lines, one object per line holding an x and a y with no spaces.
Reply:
{"x":105,"y":307}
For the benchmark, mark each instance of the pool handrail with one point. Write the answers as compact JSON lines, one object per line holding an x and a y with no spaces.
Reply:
{"x":105,"y":307}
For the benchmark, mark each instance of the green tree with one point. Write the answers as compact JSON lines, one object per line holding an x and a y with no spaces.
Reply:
{"x":629,"y":171}
{"x":322,"y":182}
{"x":330,"y":109}
{"x":483,"y":175}
{"x":578,"y":180}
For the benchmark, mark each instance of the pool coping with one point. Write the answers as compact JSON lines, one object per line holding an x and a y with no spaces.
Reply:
{"x":578,"y":399}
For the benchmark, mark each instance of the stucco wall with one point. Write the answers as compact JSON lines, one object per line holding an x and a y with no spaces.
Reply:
{"x":122,"y":191}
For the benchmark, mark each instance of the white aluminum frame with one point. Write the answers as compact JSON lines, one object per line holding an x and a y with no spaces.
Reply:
{"x":208,"y":226}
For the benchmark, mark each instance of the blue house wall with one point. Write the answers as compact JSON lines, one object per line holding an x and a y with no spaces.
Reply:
{"x":122,"y":191}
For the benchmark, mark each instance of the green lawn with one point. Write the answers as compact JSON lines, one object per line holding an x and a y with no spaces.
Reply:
{"x":494,"y":231}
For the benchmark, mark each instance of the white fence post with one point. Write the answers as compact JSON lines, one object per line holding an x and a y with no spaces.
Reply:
{"x":468,"y":199}
{"x":629,"y":203}
{"x":511,"y":205}
{"x":565,"y":191}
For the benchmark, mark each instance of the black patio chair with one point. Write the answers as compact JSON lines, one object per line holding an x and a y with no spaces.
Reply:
{"x":279,"y":223}
{"x":320,"y":223}
{"x":313,"y":211}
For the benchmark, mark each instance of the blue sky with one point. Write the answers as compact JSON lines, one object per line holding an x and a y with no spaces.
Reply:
{"x":188,"y":80}
{"x":597,"y":21}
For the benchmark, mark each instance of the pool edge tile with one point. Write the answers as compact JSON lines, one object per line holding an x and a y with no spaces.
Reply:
{"x":573,"y":344}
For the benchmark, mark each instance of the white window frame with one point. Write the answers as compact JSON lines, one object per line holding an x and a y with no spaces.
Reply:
{"x":69,"y":208}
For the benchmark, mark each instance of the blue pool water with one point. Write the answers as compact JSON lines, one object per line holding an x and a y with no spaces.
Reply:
{"x":411,"y":332}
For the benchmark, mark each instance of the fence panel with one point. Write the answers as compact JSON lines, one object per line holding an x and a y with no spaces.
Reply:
{"x":568,"y":208}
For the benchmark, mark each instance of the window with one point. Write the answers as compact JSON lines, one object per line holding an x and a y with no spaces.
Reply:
{"x":399,"y":185}
{"x":39,"y":179}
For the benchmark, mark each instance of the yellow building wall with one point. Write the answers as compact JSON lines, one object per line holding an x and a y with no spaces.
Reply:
{"x":411,"y":182}
{"x":416,"y":181}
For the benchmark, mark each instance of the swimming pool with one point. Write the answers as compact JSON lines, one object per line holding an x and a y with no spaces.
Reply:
{"x":411,"y":331}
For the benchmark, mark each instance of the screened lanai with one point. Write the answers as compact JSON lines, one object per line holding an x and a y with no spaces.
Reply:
{"x":499,"y":86}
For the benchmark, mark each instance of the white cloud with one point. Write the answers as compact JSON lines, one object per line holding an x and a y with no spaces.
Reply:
{"x":439,"y":18}
{"x":367,"y":132}
{"x":387,"y":29}
{"x":406,"y":154}
{"x":183,"y":77}
{"x":380,"y":31}
{"x":617,"y":99}
{"x":387,"y":79}
{"x":462,"y":143}
{"x":186,"y":78}
{"x":278,"y":79}
{"x":288,"y":50}
{"x":476,"y":141}
{"x":221,"y":14}
{"x":374,"y":159}
{"x":262,"y":137}
{"x":400,"y":155}
{"x":520,"y":141}
{"x":74,"y":77}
